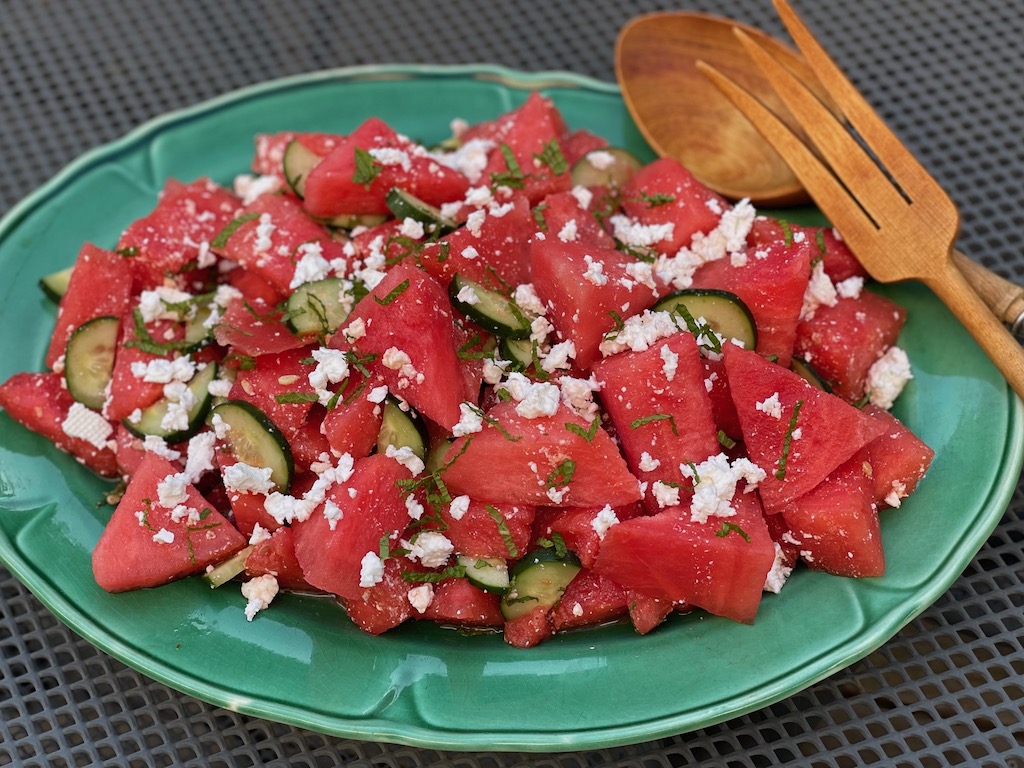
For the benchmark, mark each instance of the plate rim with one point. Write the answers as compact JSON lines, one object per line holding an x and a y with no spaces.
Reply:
{"x":410,"y":733}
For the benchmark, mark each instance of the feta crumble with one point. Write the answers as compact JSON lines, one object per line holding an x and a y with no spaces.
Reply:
{"x":86,"y":424}
{"x":887,"y":377}
{"x":260,"y":591}
{"x":371,"y":570}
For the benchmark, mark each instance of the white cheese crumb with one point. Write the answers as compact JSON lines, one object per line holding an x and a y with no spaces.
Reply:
{"x":648,"y":463}
{"x":459,"y":506}
{"x":470,"y":420}
{"x":260,"y":592}
{"x":604,"y":520}
{"x":467,"y":295}
{"x":887,"y":377}
{"x":86,"y":424}
{"x":172,"y":490}
{"x":244,"y":478}
{"x":820,"y":292}
{"x":163,"y":536}
{"x":715,"y":482}
{"x":771,"y":406}
{"x":371,"y":570}
{"x":421,"y":597}
{"x":640,"y":332}
{"x":671,"y":362}
{"x":779,"y":572}
{"x":259,"y":534}
{"x":897,"y":492}
{"x":595,"y":271}
{"x":333,"y":513}
{"x":431,"y":548}
{"x":666,"y":495}
{"x":850,"y":288}
{"x":406,"y":457}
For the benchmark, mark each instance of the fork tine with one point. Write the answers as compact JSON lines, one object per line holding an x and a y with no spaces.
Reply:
{"x":835,"y":201}
{"x":896,"y":158}
{"x":852,"y":164}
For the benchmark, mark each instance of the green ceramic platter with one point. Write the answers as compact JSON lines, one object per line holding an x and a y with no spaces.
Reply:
{"x":302,"y":661}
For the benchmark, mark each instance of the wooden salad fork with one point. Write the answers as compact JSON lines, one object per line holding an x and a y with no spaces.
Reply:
{"x":893,"y":215}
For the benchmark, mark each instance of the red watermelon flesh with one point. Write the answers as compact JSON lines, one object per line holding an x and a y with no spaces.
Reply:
{"x":898,"y":458}
{"x":457,"y":602}
{"x":836,"y":523}
{"x":838,"y":261}
{"x":490,"y":530}
{"x":255,"y":328}
{"x":132,"y":553}
{"x":576,"y":526}
{"x":569,"y":217}
{"x":272,"y":375}
{"x":353,"y":424}
{"x":842,"y":342}
{"x":529,"y":629}
{"x":269,"y":157}
{"x":171,"y":237}
{"x":690,"y":208}
{"x":253,"y":287}
{"x":669,"y":557}
{"x":276,"y":556}
{"x":661,"y":422}
{"x":771,"y":282}
{"x":409,"y":313}
{"x":830,"y":429}
{"x":519,"y":460}
{"x":337,"y":185}
{"x":128,"y":391}
{"x":98,"y":286}
{"x":647,"y":612}
{"x":722,"y":407}
{"x":39,"y":402}
{"x":372,"y":506}
{"x":385,"y":605}
{"x":586,"y":290}
{"x":589,"y":599}
{"x":492,"y":249}
{"x":579,"y":143}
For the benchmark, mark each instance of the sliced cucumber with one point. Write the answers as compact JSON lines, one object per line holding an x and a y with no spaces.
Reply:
{"x":592,"y":172}
{"x":405,"y":205}
{"x":226,"y":571}
{"x":298,"y":160}
{"x":808,"y":373}
{"x":487,"y":573}
{"x":89,"y":360}
{"x":317,"y":308}
{"x":436,"y":454}
{"x":55,"y":284}
{"x":197,"y":334}
{"x":153,"y":416}
{"x":256,"y":441}
{"x":518,"y":351}
{"x":538,"y":580}
{"x":725,"y":312}
{"x":492,"y":311}
{"x":353,"y":220}
{"x":402,"y":429}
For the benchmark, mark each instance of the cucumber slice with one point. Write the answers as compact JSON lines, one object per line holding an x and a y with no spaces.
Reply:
{"x":487,"y":573}
{"x":197,"y":335}
{"x":401,"y":428}
{"x":353,"y":220}
{"x":518,"y":351}
{"x":808,"y":373}
{"x":226,"y":571}
{"x":725,"y":312}
{"x":436,"y":454}
{"x":89,"y":360}
{"x":317,"y":308}
{"x":55,"y":284}
{"x":538,"y":579}
{"x":405,"y":205}
{"x":297,"y":161}
{"x":591,"y":172}
{"x":153,"y":416}
{"x":255,"y":440}
{"x":492,"y":311}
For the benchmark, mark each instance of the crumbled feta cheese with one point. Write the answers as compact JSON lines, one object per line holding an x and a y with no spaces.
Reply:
{"x":604,"y":520}
{"x":264,"y":230}
{"x":371,"y":570}
{"x":331,"y":368}
{"x":640,"y":332}
{"x":259,"y":534}
{"x":568,"y":233}
{"x":897,"y":492}
{"x":413,"y":507}
{"x":557,"y":494}
{"x":648,"y":463}
{"x":600,"y":159}
{"x":355,"y":330}
{"x":533,"y":399}
{"x":771,"y":406}
{"x":459,"y":506}
{"x":779,"y":572}
{"x":671,"y":362}
{"x":474,"y":222}
{"x":470,"y":420}
{"x":199,"y":458}
{"x":163,"y":536}
{"x":715,"y":481}
{"x":391,"y":156}
{"x":249,"y":187}
{"x":412,"y":229}
{"x":397,"y":360}
{"x":557,"y":358}
{"x":172,"y":490}
{"x":467,"y":295}
{"x":161,"y":371}
{"x":819,"y":293}
{"x":577,"y":610}
{"x":729,"y":237}
{"x":243,"y":478}
{"x":629,"y":231}
{"x":666,"y":495}
{"x":526,"y":298}
{"x":421,"y":597}
{"x":578,"y":395}
{"x":470,"y":158}
{"x":887,"y":377}
{"x":850,"y":288}
{"x":406,"y":457}
{"x":583,"y":196}
{"x":311,"y":265}
{"x":332,"y":514}
{"x":156,"y":444}
{"x":220,"y":388}
{"x":87,"y":425}
{"x":154,"y":304}
{"x":595,"y":271}
{"x":260,"y":591}
{"x":431,"y":548}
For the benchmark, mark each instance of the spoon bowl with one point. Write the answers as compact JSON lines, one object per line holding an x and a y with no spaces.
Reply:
{"x":683,"y":115}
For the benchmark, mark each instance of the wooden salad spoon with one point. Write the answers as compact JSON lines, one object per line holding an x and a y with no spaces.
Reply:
{"x":682,"y":114}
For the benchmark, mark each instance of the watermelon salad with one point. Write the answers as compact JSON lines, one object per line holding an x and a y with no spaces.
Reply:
{"x":516,"y":382}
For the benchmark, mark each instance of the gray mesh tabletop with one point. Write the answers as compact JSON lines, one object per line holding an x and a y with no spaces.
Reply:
{"x":948,"y":75}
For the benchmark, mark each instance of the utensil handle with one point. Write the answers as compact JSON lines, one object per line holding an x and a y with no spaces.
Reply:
{"x":977,"y":317}
{"x":1006,"y":299}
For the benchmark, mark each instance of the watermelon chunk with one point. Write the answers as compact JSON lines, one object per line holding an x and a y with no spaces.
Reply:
{"x":771,"y":281}
{"x":372,"y":507}
{"x":569,"y":217}
{"x":529,"y":629}
{"x":255,"y":328}
{"x":578,"y":527}
{"x":272,"y":375}
{"x":40,"y":402}
{"x":520,"y":460}
{"x":98,"y":287}
{"x":587,"y":290}
{"x":589,"y":599}
{"x":843,"y":341}
{"x":490,"y":530}
{"x":276,"y":556}
{"x":826,"y":432}
{"x":459,"y":603}
{"x":898,"y":458}
{"x":411,"y":343}
{"x":147,"y":543}
{"x":836,"y":523}
{"x":385,"y":605}
{"x":659,"y":406}
{"x":838,"y":261}
{"x":670,"y":557}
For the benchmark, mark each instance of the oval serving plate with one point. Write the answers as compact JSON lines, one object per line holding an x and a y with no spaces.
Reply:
{"x":302,"y":661}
